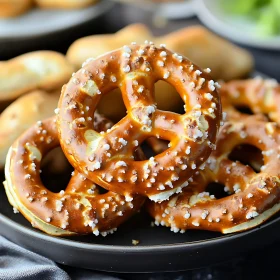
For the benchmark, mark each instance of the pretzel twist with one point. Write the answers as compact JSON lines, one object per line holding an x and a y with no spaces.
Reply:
{"x":254,"y":196}
{"x":262,"y":96}
{"x":107,"y":157}
{"x":80,"y":209}
{"x":230,"y":113}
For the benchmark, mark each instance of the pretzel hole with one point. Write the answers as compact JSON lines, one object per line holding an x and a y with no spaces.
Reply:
{"x":56,"y":170}
{"x":244,"y":109}
{"x":147,"y":151}
{"x":157,"y":145}
{"x":101,"y":190}
{"x":111,"y":105}
{"x":248,"y":155}
{"x":216,"y":189}
{"x":167,"y":97}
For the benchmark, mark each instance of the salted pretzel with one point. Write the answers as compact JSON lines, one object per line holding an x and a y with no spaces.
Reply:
{"x":230,"y":113}
{"x":107,"y":157}
{"x":80,"y":208}
{"x":262,"y":96}
{"x":195,"y":42}
{"x":46,"y":70}
{"x":253,"y":197}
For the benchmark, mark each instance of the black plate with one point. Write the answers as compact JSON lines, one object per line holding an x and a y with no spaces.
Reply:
{"x":159,"y":249}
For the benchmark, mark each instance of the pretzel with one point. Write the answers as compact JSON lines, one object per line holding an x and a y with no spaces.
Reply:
{"x":233,"y":114}
{"x":79,"y":51}
{"x":80,"y":209}
{"x":262,"y":96}
{"x":230,"y":113}
{"x":22,"y":114}
{"x":106,"y":158}
{"x":65,"y":4}
{"x":254,"y":197}
{"x":12,"y":8}
{"x":197,"y":43}
{"x":46,"y":70}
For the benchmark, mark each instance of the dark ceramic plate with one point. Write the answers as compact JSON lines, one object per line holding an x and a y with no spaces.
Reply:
{"x":159,"y":248}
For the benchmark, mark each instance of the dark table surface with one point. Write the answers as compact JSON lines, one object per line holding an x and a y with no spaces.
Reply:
{"x":261,"y":264}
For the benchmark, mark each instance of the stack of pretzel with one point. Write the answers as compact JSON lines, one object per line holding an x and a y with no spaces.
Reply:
{"x":173,"y":185}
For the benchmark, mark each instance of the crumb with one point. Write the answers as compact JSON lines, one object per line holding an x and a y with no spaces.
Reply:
{"x":135,"y":242}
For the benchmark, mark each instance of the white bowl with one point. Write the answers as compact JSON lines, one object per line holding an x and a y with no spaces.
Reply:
{"x":176,"y":10}
{"x":235,"y":28}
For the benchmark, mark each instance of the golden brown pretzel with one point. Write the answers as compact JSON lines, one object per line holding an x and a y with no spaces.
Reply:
{"x":45,"y":70}
{"x":196,"y":42}
{"x":255,"y":196}
{"x":80,"y":209}
{"x":64,"y":4}
{"x":106,"y":158}
{"x":79,"y":51}
{"x":12,"y":8}
{"x":233,"y":114}
{"x":262,"y":96}
{"x":23,"y":113}
{"x":230,"y":113}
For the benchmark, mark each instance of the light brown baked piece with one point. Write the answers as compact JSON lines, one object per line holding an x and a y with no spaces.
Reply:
{"x":47,"y":70}
{"x":64,"y":4}
{"x":12,"y":8}
{"x":23,"y":113}
{"x":95,"y":45}
{"x":226,"y":60}
{"x":204,"y":48}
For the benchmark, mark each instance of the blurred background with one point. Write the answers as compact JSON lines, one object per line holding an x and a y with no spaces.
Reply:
{"x":253,"y":24}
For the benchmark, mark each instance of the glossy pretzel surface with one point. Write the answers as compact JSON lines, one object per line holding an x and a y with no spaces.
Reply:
{"x":253,"y":197}
{"x":107,"y":157}
{"x":80,"y":208}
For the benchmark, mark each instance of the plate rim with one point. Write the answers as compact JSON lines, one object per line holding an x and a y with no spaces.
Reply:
{"x":130,"y":249}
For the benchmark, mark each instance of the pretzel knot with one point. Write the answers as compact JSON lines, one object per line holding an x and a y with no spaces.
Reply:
{"x":262,"y":96}
{"x":107,"y":158}
{"x":79,"y":209}
{"x":254,"y":197}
